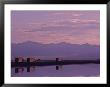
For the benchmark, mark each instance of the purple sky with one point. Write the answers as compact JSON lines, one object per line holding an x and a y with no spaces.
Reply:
{"x":75,"y":27}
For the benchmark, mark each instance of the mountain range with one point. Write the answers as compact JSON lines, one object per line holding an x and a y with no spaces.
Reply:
{"x":49,"y":51}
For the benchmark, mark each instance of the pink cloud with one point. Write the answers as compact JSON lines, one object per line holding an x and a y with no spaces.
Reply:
{"x":75,"y":27}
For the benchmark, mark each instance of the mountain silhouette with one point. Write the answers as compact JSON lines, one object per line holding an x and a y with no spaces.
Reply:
{"x":66,"y":50}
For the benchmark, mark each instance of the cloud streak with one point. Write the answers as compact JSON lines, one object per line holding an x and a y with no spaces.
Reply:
{"x":77,"y":27}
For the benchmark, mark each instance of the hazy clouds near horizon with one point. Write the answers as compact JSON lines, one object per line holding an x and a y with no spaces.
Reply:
{"x":75,"y":27}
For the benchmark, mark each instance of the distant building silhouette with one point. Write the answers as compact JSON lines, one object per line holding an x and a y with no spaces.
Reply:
{"x":31,"y":59}
{"x":19,"y":59}
{"x":57,"y":59}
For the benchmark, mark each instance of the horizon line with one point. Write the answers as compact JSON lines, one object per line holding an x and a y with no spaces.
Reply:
{"x":53,"y":43}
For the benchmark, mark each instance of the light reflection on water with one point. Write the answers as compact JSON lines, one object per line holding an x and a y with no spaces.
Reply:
{"x":84,"y":70}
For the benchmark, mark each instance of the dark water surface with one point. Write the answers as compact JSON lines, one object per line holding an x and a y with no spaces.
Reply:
{"x":83,"y":70}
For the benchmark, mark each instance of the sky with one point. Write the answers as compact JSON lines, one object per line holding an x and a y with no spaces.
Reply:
{"x":69,"y":26}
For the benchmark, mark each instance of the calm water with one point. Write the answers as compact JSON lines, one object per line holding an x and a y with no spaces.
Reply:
{"x":57,"y":71}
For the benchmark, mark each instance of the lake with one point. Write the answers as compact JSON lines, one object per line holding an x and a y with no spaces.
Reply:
{"x":73,"y":70}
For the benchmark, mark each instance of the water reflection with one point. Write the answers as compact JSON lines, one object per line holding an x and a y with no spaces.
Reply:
{"x":19,"y":69}
{"x":57,"y":71}
{"x":32,"y":68}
